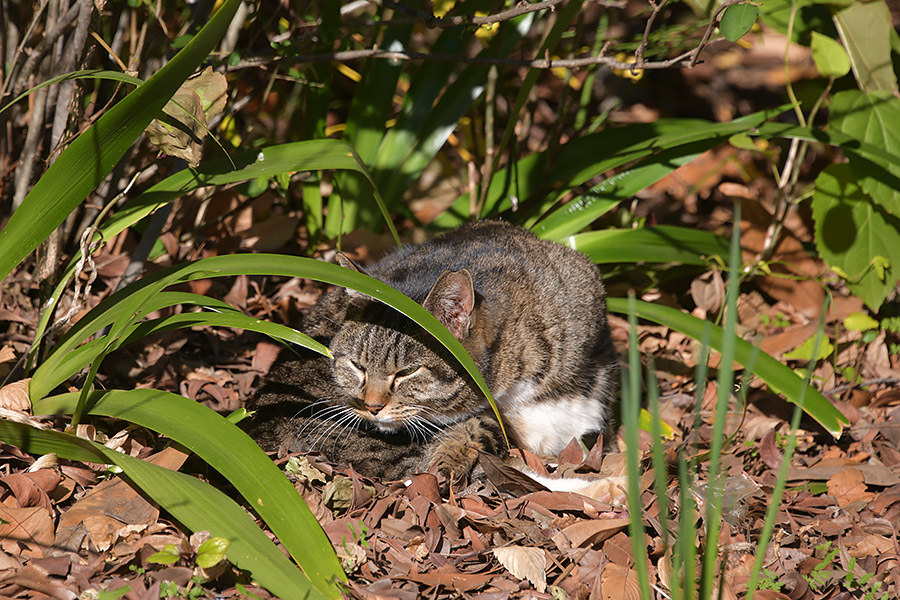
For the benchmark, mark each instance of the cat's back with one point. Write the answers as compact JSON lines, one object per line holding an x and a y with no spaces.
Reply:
{"x":506,"y":262}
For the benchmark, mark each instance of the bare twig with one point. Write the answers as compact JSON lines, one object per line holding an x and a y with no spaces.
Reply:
{"x":446,"y":22}
{"x":713,"y":22}
{"x":682,"y":60}
{"x":639,"y":53}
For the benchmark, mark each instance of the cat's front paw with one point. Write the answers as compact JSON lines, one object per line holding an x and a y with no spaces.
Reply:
{"x":452,"y":459}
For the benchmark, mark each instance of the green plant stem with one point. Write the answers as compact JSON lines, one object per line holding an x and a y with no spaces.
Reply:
{"x":801,"y":119}
{"x":725,"y":380}
{"x":631,"y":403}
{"x":781,"y":480}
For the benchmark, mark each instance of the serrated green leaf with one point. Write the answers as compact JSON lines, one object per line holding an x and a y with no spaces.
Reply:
{"x":169,"y":555}
{"x":779,"y":377}
{"x":857,"y":321}
{"x":829,"y":55}
{"x":805,"y":350}
{"x":737,"y":21}
{"x":212,"y":552}
{"x":872,"y":118}
{"x":851,"y":229}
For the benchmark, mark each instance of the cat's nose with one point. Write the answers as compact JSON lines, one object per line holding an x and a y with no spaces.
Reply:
{"x":374,"y":407}
{"x":374,"y":401}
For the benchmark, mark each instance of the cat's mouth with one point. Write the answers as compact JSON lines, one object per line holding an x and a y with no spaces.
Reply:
{"x":384,"y":423}
{"x":383,"y":420}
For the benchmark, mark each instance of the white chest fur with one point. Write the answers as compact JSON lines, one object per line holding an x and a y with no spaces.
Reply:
{"x":546,"y":426}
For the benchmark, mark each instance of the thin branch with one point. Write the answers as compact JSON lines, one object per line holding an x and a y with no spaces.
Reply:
{"x":682,"y":59}
{"x":446,"y":22}
{"x":639,"y":53}
{"x":713,"y":23}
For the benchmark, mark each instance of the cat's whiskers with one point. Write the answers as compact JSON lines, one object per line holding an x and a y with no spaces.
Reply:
{"x":310,"y":408}
{"x":325,"y":417}
{"x":348,"y":416}
{"x":353,"y":424}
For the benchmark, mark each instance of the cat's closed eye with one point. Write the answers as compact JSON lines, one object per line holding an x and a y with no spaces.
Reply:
{"x":402,"y":374}
{"x":408,"y":371}
{"x":357,"y":372}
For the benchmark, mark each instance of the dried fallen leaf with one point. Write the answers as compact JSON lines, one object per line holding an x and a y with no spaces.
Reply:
{"x":31,"y":524}
{"x":847,"y":486}
{"x":524,"y":563}
{"x":7,"y":354}
{"x":14,"y":396}
{"x":111,"y":509}
{"x":619,"y":583}
{"x":593,"y":531}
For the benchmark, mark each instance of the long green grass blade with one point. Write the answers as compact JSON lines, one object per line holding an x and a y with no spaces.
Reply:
{"x":138,"y":297}
{"x":85,"y":74}
{"x":582,"y":211}
{"x":93,"y":154}
{"x":53,"y":373}
{"x":194,"y":503}
{"x":781,"y":478}
{"x":631,"y":404}
{"x":659,"y":244}
{"x":267,"y":162}
{"x":231,"y":452}
{"x":779,"y":377}
{"x":725,"y":382}
{"x":591,"y":155}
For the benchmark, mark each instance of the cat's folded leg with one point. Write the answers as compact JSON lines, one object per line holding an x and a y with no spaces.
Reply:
{"x":454,"y":452}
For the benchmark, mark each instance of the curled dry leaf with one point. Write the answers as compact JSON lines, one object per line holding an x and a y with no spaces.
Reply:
{"x":848,"y":486}
{"x":593,"y":531}
{"x":619,"y":583}
{"x":14,"y":396}
{"x":525,"y":563}
{"x":187,"y":115}
{"x":7,"y":354}
{"x":708,"y":291}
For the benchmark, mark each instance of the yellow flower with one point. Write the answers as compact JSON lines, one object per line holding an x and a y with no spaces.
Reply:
{"x":626,"y":73}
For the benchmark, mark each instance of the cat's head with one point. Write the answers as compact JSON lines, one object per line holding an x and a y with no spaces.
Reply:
{"x":394,"y":375}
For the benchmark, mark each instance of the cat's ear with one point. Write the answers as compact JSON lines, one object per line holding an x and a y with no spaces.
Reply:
{"x":452,"y":300}
{"x":345,"y":262}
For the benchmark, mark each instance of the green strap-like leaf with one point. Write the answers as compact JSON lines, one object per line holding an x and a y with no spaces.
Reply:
{"x":93,"y":154}
{"x":135,"y":299}
{"x":577,"y":214}
{"x":660,"y":244}
{"x":85,"y":74}
{"x":591,"y":155}
{"x":779,"y":377}
{"x":64,"y":365}
{"x":231,"y":452}
{"x":196,"y":504}
{"x":267,"y":162}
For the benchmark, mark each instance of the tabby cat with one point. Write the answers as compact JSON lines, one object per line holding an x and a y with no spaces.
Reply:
{"x":531,"y":313}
